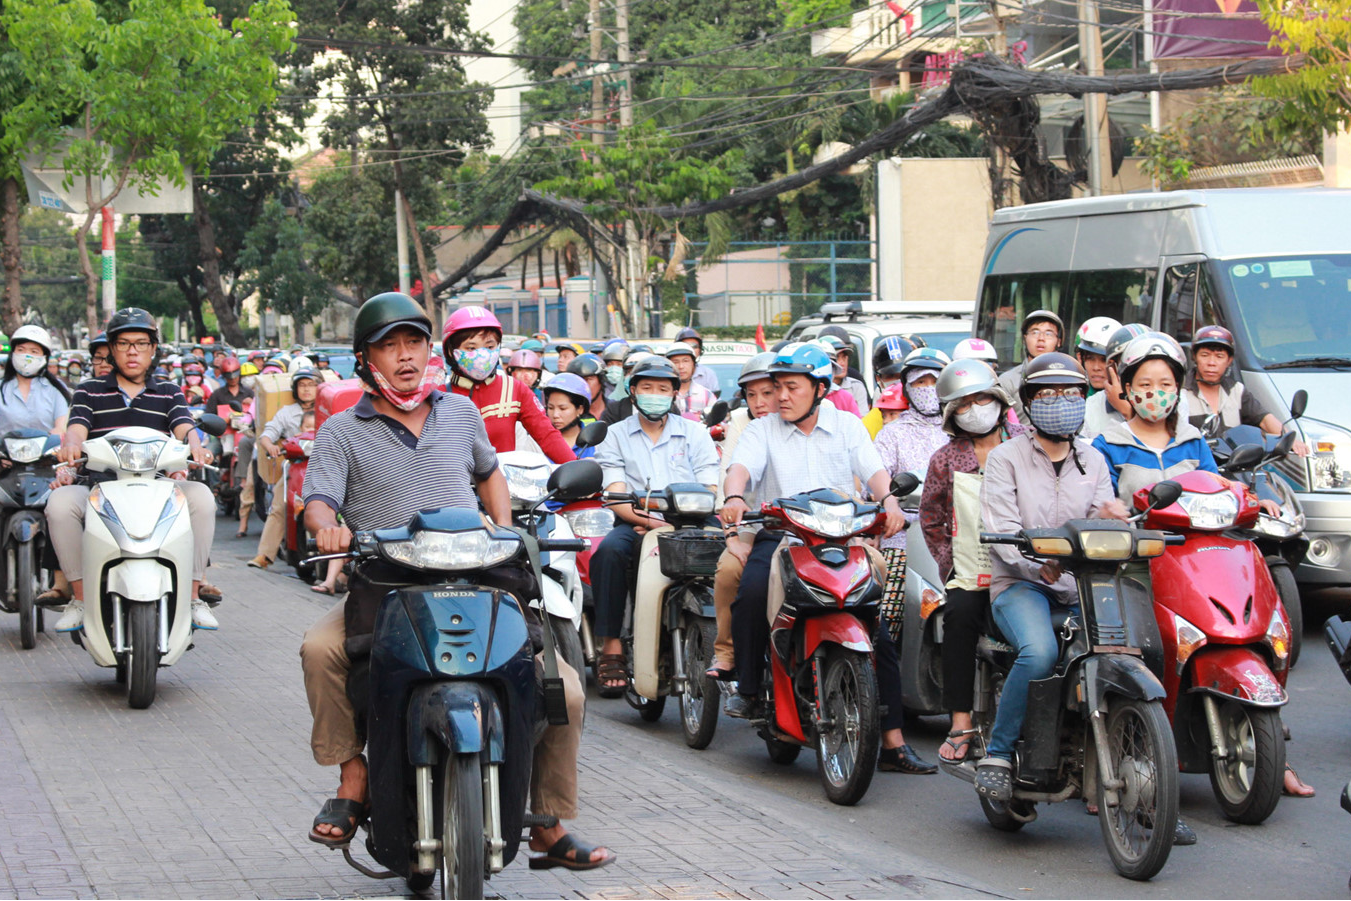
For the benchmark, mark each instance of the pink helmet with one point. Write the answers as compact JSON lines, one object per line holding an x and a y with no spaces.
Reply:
{"x":893,"y":398}
{"x":975,"y":349}
{"x":525,"y":359}
{"x":467,"y":319}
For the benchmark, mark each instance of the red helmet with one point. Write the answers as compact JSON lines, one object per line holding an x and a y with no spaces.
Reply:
{"x":469,"y":319}
{"x":229,"y":365}
{"x":1213,"y":336}
{"x":893,"y":398}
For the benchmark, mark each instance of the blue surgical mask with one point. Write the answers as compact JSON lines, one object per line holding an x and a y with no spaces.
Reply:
{"x":614,"y":375}
{"x":653,"y":406}
{"x":1057,"y":416}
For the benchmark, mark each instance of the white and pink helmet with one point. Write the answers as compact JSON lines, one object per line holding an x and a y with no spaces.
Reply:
{"x":975,"y":349}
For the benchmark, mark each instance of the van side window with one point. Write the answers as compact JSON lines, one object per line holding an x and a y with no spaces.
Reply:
{"x":1126,"y":295}
{"x":1006,"y":299}
{"x":1188,"y":301}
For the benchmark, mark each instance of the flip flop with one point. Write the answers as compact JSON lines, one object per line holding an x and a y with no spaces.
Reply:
{"x":1305,"y":790}
{"x":960,"y":741}
{"x":557,"y":856}
{"x":344,"y":813}
{"x":322,"y":589}
{"x":719,"y":673}
{"x":52,"y":597}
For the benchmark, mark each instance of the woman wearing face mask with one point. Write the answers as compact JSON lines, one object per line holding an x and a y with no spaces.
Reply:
{"x":30,"y":396}
{"x":905,"y":445}
{"x":566,"y":402}
{"x":470,"y":343}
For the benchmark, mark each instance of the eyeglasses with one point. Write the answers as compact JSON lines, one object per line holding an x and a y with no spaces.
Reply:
{"x":1043,"y":333}
{"x":139,"y":346}
{"x":979,"y":399}
{"x":1054,"y":393}
{"x":100,"y":358}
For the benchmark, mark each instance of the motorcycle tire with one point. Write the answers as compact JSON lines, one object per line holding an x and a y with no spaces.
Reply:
{"x":846,"y":756}
{"x":568,"y":643}
{"x":26,"y":584}
{"x":262,"y":496}
{"x":143,"y":656}
{"x":463,"y":847}
{"x":1248,"y":783}
{"x":700,"y":699}
{"x":1288,"y":591}
{"x":648,"y":710}
{"x":1138,"y":828}
{"x":782,"y":752}
{"x":1003,"y":816}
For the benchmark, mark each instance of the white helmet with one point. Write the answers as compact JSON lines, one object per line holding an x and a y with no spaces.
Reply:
{"x":298,"y":363}
{"x":1095,"y":334}
{"x":35,"y":333}
{"x":975,"y":349}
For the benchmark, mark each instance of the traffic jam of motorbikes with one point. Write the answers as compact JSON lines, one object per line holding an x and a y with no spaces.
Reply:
{"x":1077,"y":539}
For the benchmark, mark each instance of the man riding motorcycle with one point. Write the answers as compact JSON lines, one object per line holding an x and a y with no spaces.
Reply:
{"x":405,"y":447}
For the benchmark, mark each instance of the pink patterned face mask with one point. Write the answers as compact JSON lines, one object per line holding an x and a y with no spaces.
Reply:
{"x":408,"y":400}
{"x":1153,"y":405}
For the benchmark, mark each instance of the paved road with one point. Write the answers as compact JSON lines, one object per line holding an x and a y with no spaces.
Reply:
{"x":210,"y":794}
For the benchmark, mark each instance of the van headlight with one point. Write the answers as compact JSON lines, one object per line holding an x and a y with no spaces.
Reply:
{"x":1210,"y":511}
{"x":1330,"y":461}
{"x":595,"y":522}
{"x":139,"y":456}
{"x":451,"y":551}
{"x":527,"y":483}
{"x":25,"y":450}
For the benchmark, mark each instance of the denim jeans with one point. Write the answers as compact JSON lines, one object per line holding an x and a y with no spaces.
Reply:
{"x":1023,"y":614}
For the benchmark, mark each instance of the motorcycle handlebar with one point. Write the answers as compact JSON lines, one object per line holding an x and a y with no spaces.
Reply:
{"x":563,"y":545}
{"x":1000,"y":538}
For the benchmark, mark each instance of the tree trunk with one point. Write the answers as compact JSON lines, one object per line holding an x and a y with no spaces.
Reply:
{"x":209,"y":259}
{"x":428,"y":301}
{"x":194,"y":299}
{"x":91,"y":278}
{"x":10,"y":255}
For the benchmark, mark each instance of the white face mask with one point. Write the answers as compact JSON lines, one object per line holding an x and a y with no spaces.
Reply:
{"x":29,"y":365}
{"x":980,"y":419}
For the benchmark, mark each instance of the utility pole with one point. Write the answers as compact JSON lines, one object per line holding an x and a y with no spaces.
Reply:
{"x":634,"y":251}
{"x":597,"y":89}
{"x":1095,"y":104}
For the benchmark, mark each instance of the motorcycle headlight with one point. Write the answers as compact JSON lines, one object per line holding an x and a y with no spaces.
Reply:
{"x":593,"y":523}
{"x":688,"y":502}
{"x":1279,"y":526}
{"x":25,"y":450}
{"x":1330,"y":462}
{"x":1278,"y":639}
{"x":1210,"y":511}
{"x":529,"y":484}
{"x":305,"y":445}
{"x":139,"y":456}
{"x":451,"y":551}
{"x":831,"y":520}
{"x":1107,"y":545}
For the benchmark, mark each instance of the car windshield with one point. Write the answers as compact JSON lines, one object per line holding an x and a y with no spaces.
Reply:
{"x":944,"y":341}
{"x":727,"y":374}
{"x":1289,"y":312}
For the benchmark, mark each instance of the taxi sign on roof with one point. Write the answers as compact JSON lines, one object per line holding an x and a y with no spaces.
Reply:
{"x":730,"y":347}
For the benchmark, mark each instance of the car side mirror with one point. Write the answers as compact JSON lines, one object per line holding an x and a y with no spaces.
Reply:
{"x":1246,"y":456}
{"x":576,"y":479}
{"x":904,"y":484}
{"x":1298,"y":403}
{"x":1164,"y":494}
{"x":716,"y":413}
{"x":212,"y":424}
{"x":592,"y":434}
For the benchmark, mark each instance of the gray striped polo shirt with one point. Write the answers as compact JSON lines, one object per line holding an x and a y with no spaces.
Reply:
{"x":377,"y":474}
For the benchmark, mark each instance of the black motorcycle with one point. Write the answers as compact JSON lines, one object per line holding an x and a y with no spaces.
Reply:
{"x":447,"y":698}
{"x":1096,"y":727}
{"x":29,"y":456}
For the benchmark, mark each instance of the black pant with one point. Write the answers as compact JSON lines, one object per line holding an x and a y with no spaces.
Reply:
{"x":614,"y":565}
{"x":963,"y":620}
{"x":750,"y":633}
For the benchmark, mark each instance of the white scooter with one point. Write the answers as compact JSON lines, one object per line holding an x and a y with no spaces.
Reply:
{"x":138,"y":557}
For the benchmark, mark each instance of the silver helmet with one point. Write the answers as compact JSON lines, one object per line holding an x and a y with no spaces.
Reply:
{"x":756,"y":368}
{"x":962,"y":378}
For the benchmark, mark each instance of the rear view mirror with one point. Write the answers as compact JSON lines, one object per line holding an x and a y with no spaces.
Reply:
{"x":592,"y":434}
{"x":1246,"y":456}
{"x":904,"y":484}
{"x":212,"y":424}
{"x":576,"y":479}
{"x":236,"y":406}
{"x":1164,"y":494}
{"x":1298,"y":403}
{"x":1284,"y":445}
{"x":716,"y":413}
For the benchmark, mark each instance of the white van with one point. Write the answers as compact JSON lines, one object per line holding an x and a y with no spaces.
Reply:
{"x":1271,"y":265}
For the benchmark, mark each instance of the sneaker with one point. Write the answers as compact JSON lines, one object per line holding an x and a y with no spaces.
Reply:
{"x":1183,"y":834}
{"x":73,"y":619}
{"x":260,"y":562}
{"x":202,"y":617}
{"x":744,"y":707}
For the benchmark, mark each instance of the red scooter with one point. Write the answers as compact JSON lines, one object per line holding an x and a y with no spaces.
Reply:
{"x":297,"y":453}
{"x":1226,"y":643}
{"x":592,"y":521}
{"x":821,"y":688}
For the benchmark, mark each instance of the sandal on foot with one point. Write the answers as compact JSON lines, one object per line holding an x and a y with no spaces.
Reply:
{"x":1302,"y":789}
{"x":720,"y":673}
{"x":994,"y":779}
{"x":557,"y":856}
{"x":904,"y":760}
{"x":611,"y":668}
{"x":53,"y":597}
{"x":959,"y":740}
{"x":321,"y":588}
{"x":346,"y":814}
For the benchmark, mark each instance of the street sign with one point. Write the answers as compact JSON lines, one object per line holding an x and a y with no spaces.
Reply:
{"x":44,"y":173}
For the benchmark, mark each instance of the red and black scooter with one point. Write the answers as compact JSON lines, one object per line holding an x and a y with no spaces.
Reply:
{"x":821,"y":689}
{"x":1226,"y":643}
{"x":297,"y":453}
{"x":591,"y":520}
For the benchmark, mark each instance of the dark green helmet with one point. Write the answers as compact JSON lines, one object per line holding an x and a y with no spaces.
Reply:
{"x":384,"y":312}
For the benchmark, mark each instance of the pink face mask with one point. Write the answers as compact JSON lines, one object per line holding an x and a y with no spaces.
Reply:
{"x":408,"y":400}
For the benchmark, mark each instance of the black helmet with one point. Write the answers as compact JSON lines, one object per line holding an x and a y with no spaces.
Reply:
{"x":132,"y":319}
{"x":834,"y":331}
{"x":655,"y":367}
{"x":99,"y":340}
{"x":1051,"y":370}
{"x":305,"y":373}
{"x":889,"y":354}
{"x":615,"y":352}
{"x":586,"y":364}
{"x":597,"y":348}
{"x":384,"y":312}
{"x":687,"y":333}
{"x":320,"y":357}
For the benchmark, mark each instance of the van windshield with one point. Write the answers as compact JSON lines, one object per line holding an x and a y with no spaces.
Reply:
{"x":1289,"y":312}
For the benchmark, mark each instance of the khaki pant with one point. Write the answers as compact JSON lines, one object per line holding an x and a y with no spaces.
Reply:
{"x":244,"y":479}
{"x":725,"y":583}
{"x":65,"y":522}
{"x":333,"y":738}
{"x":274,"y":529}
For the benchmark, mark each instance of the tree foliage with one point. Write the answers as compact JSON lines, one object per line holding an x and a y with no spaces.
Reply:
{"x":1317,"y":95}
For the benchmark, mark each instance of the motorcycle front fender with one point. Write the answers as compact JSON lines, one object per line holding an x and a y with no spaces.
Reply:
{"x":1122,"y":675}
{"x":24,"y":526}
{"x":557,"y":603}
{"x":649,"y":600}
{"x":140,"y":579}
{"x":461,"y":716}
{"x":839,"y":628}
{"x":1236,"y":674}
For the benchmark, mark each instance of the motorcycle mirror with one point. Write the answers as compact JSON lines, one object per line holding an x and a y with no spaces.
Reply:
{"x":1164,"y":494}
{"x":716,"y":413}
{"x":576,"y":479}
{"x":1246,"y":456}
{"x":236,"y":406}
{"x":592,"y":434}
{"x":1298,"y":403}
{"x":904,"y":484}
{"x":212,"y":424}
{"x":1284,"y":445}
{"x":1212,"y":426}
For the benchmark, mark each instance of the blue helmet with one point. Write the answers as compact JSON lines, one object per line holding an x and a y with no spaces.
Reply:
{"x":571,"y":384}
{"x":810,"y":360}
{"x":925,"y":358}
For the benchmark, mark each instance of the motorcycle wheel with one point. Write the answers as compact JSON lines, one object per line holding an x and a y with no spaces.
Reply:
{"x":784,"y":753}
{"x":1248,"y":783}
{"x":463,"y":849}
{"x":699,"y":700}
{"x":1001,"y":816}
{"x":846,"y":755}
{"x":568,"y":643}
{"x":262,"y":496}
{"x":29,"y":614}
{"x":649,"y":710}
{"x":1138,"y":828}
{"x":1288,"y":590}
{"x":143,"y":657}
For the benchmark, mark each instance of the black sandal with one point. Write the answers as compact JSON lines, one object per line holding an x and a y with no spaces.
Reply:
{"x":557,"y":856}
{"x":960,"y":741}
{"x":53,"y":597}
{"x":344,"y":813}
{"x":611,"y":668}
